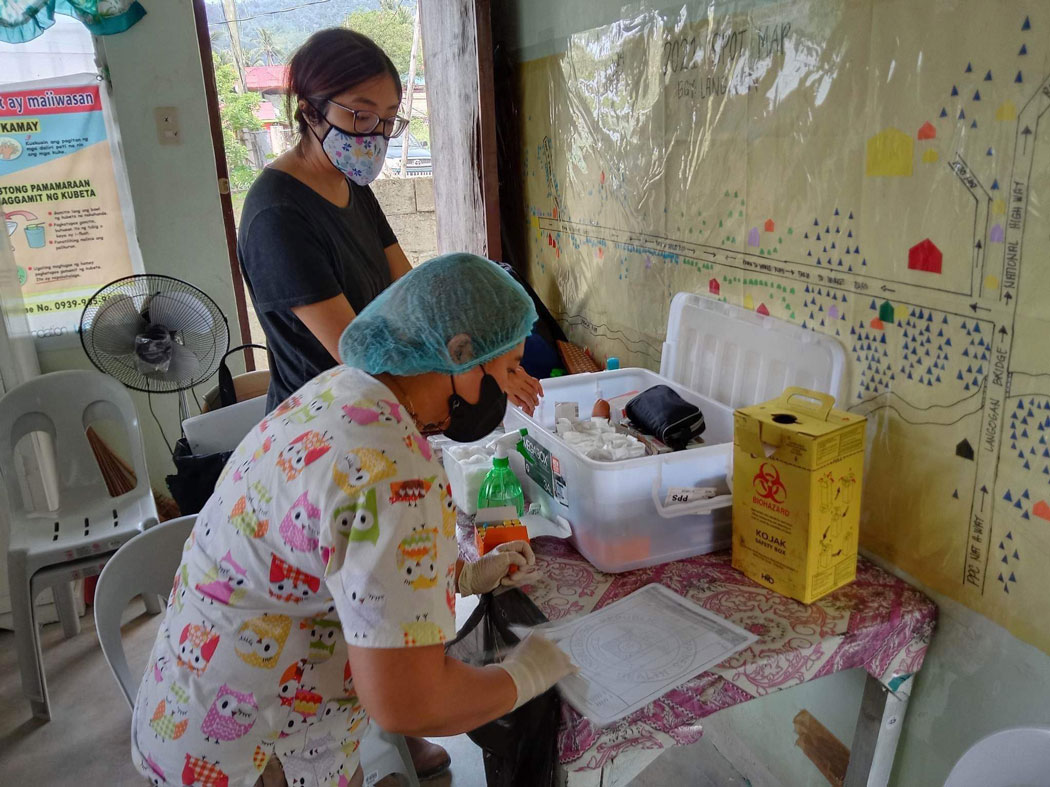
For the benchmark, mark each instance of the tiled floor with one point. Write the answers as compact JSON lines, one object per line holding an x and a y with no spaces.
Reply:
{"x":86,"y":742}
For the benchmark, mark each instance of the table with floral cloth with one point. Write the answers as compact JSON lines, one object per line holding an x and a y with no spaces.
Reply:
{"x":878,"y":623}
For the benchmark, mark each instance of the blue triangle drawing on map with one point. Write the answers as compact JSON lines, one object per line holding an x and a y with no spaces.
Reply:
{"x":1027,"y":24}
{"x":944,"y":112}
{"x":955,"y":90}
{"x":1025,"y":516}
{"x":969,"y":68}
{"x":1008,"y":497}
{"x":989,"y":153}
{"x":1018,"y":79}
{"x":988,"y":76}
{"x":974,"y":124}
{"x":1024,"y":50}
{"x":836,"y":211}
{"x":851,"y":214}
{"x":977,"y":95}
{"x":962,"y":115}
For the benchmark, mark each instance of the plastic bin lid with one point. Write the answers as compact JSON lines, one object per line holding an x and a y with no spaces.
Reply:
{"x":739,"y":357}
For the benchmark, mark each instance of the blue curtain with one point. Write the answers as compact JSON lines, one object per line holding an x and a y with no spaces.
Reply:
{"x":24,"y":20}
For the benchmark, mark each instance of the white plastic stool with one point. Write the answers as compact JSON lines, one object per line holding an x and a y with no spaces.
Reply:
{"x":383,"y":754}
{"x":1008,"y":758}
{"x":53,"y":548}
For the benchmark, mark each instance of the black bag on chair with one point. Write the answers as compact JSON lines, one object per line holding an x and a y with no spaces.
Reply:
{"x":196,"y":474}
{"x":195,"y":477}
{"x":521,"y":748}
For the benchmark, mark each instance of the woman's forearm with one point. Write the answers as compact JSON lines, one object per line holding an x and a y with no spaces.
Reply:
{"x":467,"y":698}
{"x":457,"y":698}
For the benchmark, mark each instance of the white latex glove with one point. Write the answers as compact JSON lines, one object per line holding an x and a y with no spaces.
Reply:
{"x":494,"y":569}
{"x":535,"y":665}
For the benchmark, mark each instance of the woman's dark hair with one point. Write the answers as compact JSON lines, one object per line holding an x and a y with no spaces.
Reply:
{"x":331,"y":62}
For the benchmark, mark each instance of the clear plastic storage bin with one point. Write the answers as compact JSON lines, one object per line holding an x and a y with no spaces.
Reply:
{"x":717,"y":356}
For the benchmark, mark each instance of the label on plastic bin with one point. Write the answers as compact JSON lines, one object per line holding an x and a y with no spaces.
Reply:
{"x":677,"y":495}
{"x":545,"y":470}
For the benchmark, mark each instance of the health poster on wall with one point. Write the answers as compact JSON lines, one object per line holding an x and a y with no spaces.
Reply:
{"x":64,"y":197}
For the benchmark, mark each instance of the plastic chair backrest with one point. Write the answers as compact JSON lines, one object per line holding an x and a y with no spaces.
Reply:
{"x":145,"y":564}
{"x":63,"y":404}
{"x":1008,"y":758}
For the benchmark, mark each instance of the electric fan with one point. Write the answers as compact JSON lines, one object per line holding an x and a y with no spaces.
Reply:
{"x":155,"y":334}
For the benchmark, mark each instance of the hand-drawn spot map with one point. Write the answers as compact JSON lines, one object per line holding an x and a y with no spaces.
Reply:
{"x":875,"y":171}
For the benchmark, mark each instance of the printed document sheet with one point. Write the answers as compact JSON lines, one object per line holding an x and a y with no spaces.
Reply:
{"x":635,"y":650}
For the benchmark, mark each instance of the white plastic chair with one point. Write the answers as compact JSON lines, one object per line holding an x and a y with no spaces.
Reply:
{"x":146,"y":565}
{"x":54,"y":548}
{"x":1017,"y":757}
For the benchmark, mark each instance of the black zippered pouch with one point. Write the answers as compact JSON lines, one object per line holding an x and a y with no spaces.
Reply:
{"x":661,"y":412}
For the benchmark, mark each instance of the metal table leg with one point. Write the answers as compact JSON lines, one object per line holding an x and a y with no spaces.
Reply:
{"x":878,"y":730}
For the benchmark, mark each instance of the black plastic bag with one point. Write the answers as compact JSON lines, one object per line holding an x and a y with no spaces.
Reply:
{"x":521,"y":748}
{"x":195,"y":477}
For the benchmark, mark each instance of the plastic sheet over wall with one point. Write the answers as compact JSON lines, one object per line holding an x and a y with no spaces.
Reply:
{"x":876,"y":170}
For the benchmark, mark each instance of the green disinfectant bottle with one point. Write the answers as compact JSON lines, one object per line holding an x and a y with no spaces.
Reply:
{"x":501,"y":487}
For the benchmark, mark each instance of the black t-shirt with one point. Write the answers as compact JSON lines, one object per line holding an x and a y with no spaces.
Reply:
{"x":297,"y":248}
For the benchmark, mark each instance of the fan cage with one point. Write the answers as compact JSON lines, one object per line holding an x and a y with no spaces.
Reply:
{"x":205,"y":332}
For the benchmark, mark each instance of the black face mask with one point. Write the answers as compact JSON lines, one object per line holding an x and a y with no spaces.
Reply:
{"x":469,"y":422}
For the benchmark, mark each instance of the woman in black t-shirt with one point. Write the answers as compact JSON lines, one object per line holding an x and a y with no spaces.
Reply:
{"x":313,"y":244}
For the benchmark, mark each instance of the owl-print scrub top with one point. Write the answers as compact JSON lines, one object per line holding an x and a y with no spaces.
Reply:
{"x":330,"y":524}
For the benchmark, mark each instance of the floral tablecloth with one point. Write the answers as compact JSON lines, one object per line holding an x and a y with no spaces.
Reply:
{"x":878,"y":622}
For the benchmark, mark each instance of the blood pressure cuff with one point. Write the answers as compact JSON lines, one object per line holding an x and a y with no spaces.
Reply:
{"x":661,"y":412}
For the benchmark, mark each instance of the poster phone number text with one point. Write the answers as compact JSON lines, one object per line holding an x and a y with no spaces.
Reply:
{"x":57,"y":305}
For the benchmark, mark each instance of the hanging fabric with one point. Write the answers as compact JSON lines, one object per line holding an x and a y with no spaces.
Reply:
{"x":24,"y":20}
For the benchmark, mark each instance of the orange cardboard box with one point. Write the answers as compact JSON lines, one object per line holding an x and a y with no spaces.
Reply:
{"x":490,"y":535}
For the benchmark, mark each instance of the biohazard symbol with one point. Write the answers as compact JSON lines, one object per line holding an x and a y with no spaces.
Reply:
{"x":768,"y":484}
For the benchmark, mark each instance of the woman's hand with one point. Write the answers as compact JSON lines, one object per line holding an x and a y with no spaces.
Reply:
{"x":496,"y":568}
{"x":523,"y":390}
{"x":535,"y":665}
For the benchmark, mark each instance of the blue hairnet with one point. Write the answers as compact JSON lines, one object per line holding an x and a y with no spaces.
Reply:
{"x":448,"y":315}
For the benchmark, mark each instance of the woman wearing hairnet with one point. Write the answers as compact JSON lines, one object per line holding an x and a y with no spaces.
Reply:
{"x":319,"y":582}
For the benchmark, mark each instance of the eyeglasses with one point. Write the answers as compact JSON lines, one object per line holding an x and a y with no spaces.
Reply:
{"x":363,"y":121}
